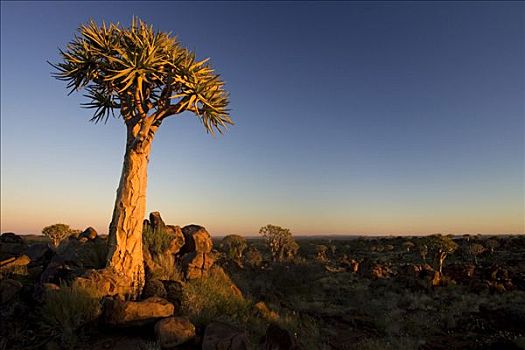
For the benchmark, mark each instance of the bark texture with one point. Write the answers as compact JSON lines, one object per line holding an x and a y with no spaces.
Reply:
{"x":125,"y":256}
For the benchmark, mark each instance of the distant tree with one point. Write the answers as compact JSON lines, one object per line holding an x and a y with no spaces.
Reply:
{"x":408,"y":246}
{"x":423,"y":251}
{"x":321,"y":253}
{"x":57,"y":233}
{"x":476,"y":249}
{"x":440,"y":246}
{"x":253,"y":257}
{"x":234,"y":246}
{"x":280,"y":241}
{"x":144,"y":76}
{"x":492,"y":244}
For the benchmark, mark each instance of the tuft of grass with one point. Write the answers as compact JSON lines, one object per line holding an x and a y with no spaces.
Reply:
{"x":157,"y":241}
{"x":212,"y":298}
{"x":66,"y":310}
{"x":167,"y":269}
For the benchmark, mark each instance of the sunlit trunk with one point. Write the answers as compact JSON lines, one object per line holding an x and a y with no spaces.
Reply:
{"x":125,"y":231}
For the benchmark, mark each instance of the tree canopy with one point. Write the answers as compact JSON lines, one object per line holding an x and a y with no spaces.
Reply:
{"x":145,"y":75}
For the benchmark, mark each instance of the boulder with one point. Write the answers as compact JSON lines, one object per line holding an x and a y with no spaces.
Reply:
{"x":196,"y":264}
{"x":8,"y":289}
{"x":84,"y":253}
{"x":174,"y":292}
{"x":89,"y":233}
{"x":39,"y":252}
{"x":57,"y":272}
{"x":155,"y":221}
{"x":277,"y":338}
{"x":11,"y":245}
{"x":104,"y":281}
{"x":10,"y":237}
{"x":197,"y":239}
{"x":154,"y":288}
{"x":173,"y":331}
{"x":221,"y":336}
{"x":120,"y":313}
{"x":265,"y":312}
{"x":13,"y":262}
{"x":177,"y":241}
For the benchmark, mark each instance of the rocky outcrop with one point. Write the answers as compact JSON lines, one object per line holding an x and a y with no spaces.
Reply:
{"x":174,"y":331}
{"x":120,"y":313}
{"x":221,"y":336}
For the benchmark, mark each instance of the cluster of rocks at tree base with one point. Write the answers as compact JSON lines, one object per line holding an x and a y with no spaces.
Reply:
{"x":191,"y":246}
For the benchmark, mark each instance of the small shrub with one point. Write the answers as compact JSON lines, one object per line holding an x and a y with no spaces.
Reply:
{"x":157,"y":241}
{"x":66,"y":310}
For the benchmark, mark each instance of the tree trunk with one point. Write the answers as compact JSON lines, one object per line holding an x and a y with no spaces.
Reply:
{"x":125,"y":256}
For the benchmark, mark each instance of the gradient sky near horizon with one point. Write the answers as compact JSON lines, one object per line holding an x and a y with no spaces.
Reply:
{"x":351,"y":118}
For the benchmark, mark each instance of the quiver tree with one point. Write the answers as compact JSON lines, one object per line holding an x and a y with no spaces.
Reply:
{"x":280,"y":241}
{"x":440,"y":246}
{"x":143,"y":77}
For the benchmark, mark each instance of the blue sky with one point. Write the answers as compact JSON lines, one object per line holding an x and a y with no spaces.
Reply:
{"x":356,"y":118}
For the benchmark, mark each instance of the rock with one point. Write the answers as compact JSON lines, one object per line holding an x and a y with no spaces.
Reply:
{"x":174,"y":292}
{"x":11,"y":245}
{"x":177,"y":241}
{"x":154,"y":288}
{"x":104,"y":281}
{"x":196,"y":265}
{"x":173,"y":331}
{"x":262,"y":309}
{"x":56,"y":272}
{"x":221,"y":336}
{"x":50,"y":287}
{"x":39,"y":252}
{"x":8,"y":289}
{"x":197,"y":239}
{"x":120,"y":313}
{"x":155,"y":221}
{"x":89,"y":233}
{"x":84,"y":253}
{"x":10,"y":237}
{"x":277,"y":338}
{"x":13,"y":262}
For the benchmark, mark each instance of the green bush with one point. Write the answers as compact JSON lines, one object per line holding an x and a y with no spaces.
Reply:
{"x":156,"y":241}
{"x":66,"y":310}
